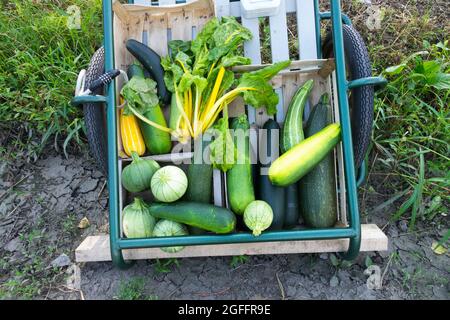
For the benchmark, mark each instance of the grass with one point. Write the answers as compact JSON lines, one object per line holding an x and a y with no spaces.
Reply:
{"x":165,"y":265}
{"x":39,"y":61}
{"x":134,"y":290}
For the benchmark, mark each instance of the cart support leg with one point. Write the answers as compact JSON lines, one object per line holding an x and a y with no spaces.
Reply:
{"x":338,"y":43}
{"x":113,"y":178}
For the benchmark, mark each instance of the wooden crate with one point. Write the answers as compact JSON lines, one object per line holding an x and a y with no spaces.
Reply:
{"x":156,"y":26}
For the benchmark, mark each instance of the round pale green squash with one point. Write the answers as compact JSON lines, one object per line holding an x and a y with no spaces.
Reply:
{"x":137,"y":222}
{"x":169,"y":184}
{"x":258,"y":216}
{"x":136,"y":176}
{"x":167,"y":228}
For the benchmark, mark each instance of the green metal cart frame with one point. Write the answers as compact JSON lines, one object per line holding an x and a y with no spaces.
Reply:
{"x":352,"y":232}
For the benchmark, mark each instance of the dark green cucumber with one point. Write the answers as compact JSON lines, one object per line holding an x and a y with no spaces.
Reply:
{"x":273,"y":195}
{"x":318,"y":188}
{"x":157,"y":141}
{"x":199,"y":176}
{"x":293,"y":124}
{"x":152,"y":63}
{"x":135,"y":70}
{"x":239,"y":178}
{"x":200,"y":215}
{"x":292,"y":213}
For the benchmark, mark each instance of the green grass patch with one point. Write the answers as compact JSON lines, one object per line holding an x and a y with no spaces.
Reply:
{"x":40,"y":57}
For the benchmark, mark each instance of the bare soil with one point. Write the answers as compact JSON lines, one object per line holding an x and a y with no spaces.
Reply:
{"x":40,"y":214}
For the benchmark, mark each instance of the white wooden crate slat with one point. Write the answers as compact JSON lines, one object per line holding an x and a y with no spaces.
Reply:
{"x":252,"y":49}
{"x":279,"y":48}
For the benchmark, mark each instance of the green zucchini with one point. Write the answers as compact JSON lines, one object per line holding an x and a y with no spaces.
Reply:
{"x":275,"y":196}
{"x":157,"y":141}
{"x":293,"y":124}
{"x":199,"y":176}
{"x":292,"y":211}
{"x":135,"y":70}
{"x":301,"y":159}
{"x":318,"y":188}
{"x":200,"y":215}
{"x":152,"y":63}
{"x":239,"y":178}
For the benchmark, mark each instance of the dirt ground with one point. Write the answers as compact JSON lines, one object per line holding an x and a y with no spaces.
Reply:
{"x":41,"y":205}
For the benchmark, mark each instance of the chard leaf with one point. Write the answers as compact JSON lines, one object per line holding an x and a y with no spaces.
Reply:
{"x":177,"y":46}
{"x":232,"y":60}
{"x":173,"y":73}
{"x":270,"y":71}
{"x":140,"y":93}
{"x":183,"y":59}
{"x":205,"y":36}
{"x":188,"y":79}
{"x":223,"y":153}
{"x":262,"y":94}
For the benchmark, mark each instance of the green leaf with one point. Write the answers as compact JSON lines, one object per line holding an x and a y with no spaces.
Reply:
{"x":177,"y":46}
{"x":140,"y":93}
{"x":201,"y":40}
{"x":272,"y":70}
{"x":442,"y":81}
{"x":438,"y":248}
{"x":187,"y":80}
{"x":395,"y":69}
{"x":223,"y":151}
{"x":231,"y":61}
{"x":262,"y":94}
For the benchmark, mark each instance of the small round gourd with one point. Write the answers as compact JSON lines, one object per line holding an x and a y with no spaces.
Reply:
{"x":167,"y":228}
{"x":136,"y":176}
{"x":169,"y":184}
{"x":137,"y":222}
{"x":258,"y":216}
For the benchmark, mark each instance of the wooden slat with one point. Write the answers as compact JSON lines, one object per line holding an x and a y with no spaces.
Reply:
{"x":96,"y":248}
{"x":306,"y":29}
{"x":280,"y":50}
{"x":252,"y":49}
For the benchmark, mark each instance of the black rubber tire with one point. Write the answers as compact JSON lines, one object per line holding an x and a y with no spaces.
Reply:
{"x":94,"y":114}
{"x":360,"y":99}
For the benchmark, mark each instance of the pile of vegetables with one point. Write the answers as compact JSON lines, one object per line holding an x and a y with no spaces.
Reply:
{"x":199,"y":75}
{"x":200,"y":78}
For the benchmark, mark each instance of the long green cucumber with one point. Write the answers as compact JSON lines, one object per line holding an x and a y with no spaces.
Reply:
{"x":239,"y":178}
{"x":157,"y":141}
{"x":293,"y":124}
{"x":200,"y":215}
{"x":199,"y":175}
{"x":301,"y":159}
{"x":292,"y":211}
{"x":273,"y":195}
{"x":318,"y":188}
{"x":152,"y":63}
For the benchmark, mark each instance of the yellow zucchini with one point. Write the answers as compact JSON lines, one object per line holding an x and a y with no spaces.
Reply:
{"x":132,"y":139}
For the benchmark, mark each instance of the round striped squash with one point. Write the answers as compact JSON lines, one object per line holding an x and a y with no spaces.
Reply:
{"x":169,"y":184}
{"x":258,"y":216}
{"x":167,"y":228}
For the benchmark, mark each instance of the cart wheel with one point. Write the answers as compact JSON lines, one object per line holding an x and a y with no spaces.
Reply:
{"x":94,"y":114}
{"x":360,"y":99}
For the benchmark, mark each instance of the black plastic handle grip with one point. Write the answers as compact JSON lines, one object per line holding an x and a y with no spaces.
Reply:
{"x":104,"y":79}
